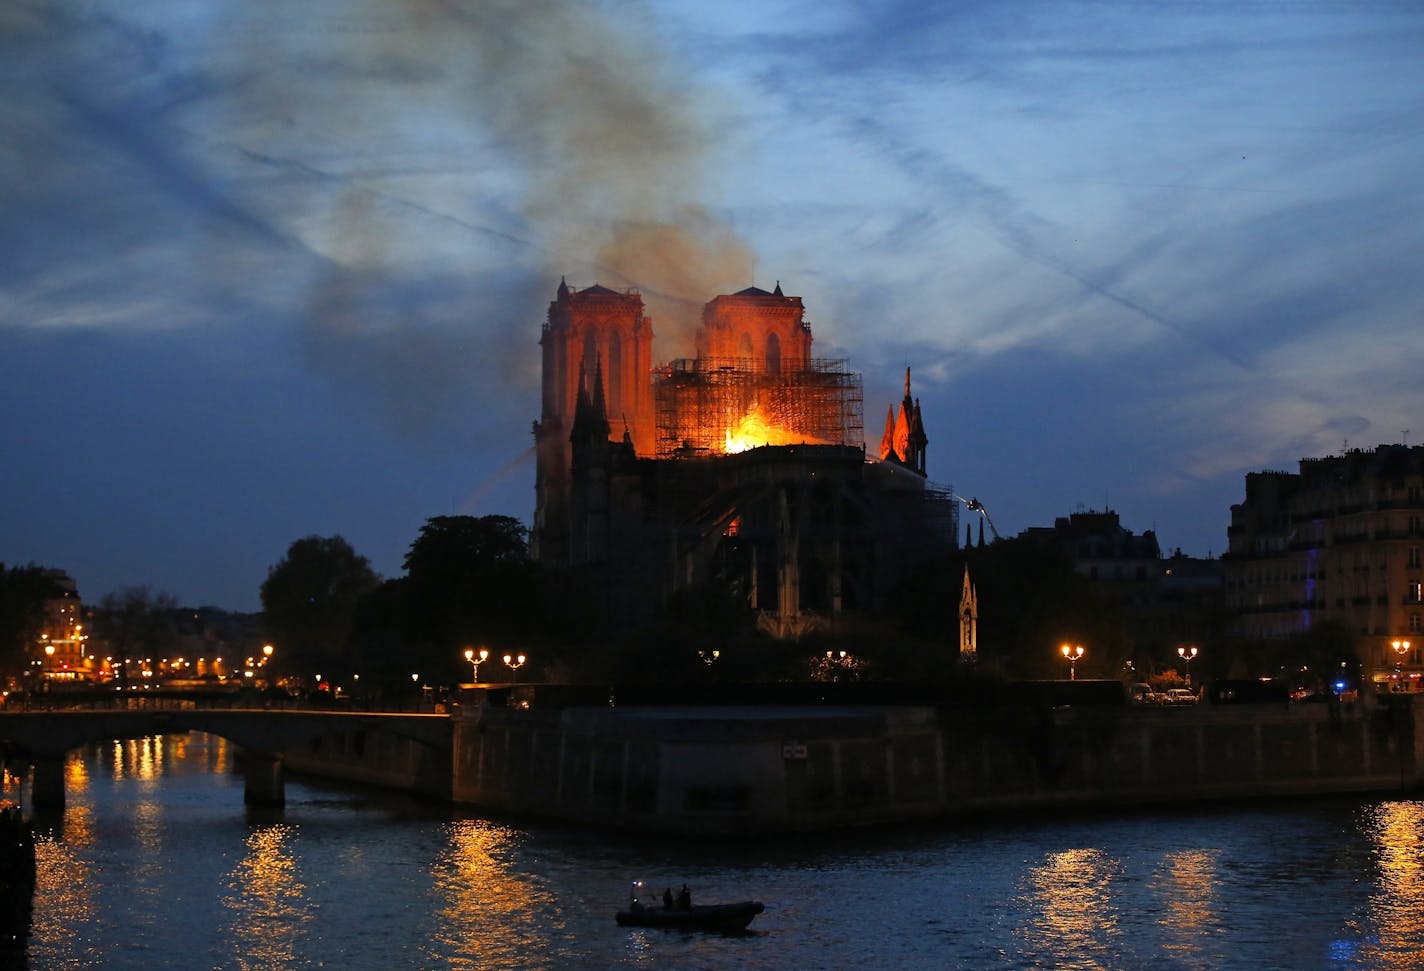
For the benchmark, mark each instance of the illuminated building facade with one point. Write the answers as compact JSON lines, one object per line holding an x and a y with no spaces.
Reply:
{"x":744,"y":465}
{"x":1339,"y":540}
{"x":61,"y":653}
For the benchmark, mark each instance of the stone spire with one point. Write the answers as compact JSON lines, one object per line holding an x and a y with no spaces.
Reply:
{"x":968,"y":621}
{"x":887,"y":441}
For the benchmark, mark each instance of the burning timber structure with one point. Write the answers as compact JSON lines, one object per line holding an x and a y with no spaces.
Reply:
{"x":745,"y":465}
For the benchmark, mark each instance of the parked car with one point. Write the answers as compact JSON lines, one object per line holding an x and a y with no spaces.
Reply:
{"x":1142,"y":694}
{"x":1180,"y":696}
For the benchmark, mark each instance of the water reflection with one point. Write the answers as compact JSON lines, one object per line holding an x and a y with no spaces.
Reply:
{"x":1185,"y":885}
{"x":64,"y":884}
{"x":1395,"y":931}
{"x":266,"y":902}
{"x":1069,"y":908}
{"x":492,"y":916}
{"x":138,"y":758}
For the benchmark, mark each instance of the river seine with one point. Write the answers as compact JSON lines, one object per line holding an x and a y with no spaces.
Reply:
{"x":156,"y":864}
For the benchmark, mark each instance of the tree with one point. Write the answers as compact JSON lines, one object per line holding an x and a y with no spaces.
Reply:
{"x":310,"y":598}
{"x":462,"y":544}
{"x":1031,"y":600}
{"x":470,"y":582}
{"x":135,"y":622}
{"x":24,"y":591}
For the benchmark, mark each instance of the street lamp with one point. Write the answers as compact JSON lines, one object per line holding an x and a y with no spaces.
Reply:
{"x":1401,"y":647}
{"x":1186,"y":654}
{"x":709,"y":656}
{"x":515,"y":661}
{"x":475,"y":660}
{"x":1071,"y":653}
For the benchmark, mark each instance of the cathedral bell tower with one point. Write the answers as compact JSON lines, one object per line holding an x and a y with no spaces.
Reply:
{"x":590,"y":330}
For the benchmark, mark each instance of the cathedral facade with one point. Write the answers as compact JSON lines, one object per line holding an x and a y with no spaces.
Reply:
{"x":745,"y":465}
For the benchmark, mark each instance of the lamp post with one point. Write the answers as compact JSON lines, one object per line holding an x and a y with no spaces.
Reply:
{"x":1186,"y":654}
{"x":1401,"y":647}
{"x":267,"y":650}
{"x":515,"y":661}
{"x":475,"y":660}
{"x":1071,"y":653}
{"x":709,"y":656}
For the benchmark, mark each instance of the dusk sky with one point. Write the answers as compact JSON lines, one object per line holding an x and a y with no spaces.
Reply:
{"x":272,"y":269}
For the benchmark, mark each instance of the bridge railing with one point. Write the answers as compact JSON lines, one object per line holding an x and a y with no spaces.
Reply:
{"x":162,"y":701}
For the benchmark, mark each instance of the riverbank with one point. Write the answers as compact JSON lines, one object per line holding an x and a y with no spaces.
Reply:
{"x":716,"y":770}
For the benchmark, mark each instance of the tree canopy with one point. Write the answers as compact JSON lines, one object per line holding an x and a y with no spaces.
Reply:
{"x":24,"y":590}
{"x":466,"y":544}
{"x":470,"y":581}
{"x":310,"y":597}
{"x":134,"y":622}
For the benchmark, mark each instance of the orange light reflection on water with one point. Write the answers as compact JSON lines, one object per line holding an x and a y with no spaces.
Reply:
{"x":1396,"y":911}
{"x":1185,"y":885}
{"x":1070,"y":900}
{"x":267,"y":902}
{"x":64,"y":881}
{"x":76,"y":775}
{"x":493,"y":916}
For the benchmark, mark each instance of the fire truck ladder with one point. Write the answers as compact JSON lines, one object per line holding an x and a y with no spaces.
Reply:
{"x":974,"y":505}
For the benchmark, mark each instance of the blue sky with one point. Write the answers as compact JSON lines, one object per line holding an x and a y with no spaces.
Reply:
{"x":270,"y":270}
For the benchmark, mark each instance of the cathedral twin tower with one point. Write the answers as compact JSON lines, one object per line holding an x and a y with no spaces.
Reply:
{"x":618,"y":484}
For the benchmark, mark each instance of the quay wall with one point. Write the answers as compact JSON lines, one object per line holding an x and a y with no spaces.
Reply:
{"x":726,"y":770}
{"x":374,"y":757}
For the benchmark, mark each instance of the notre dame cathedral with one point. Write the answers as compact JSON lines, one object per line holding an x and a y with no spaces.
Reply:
{"x":745,"y":465}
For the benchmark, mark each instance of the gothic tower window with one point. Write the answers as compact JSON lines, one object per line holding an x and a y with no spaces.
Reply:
{"x":773,"y":354}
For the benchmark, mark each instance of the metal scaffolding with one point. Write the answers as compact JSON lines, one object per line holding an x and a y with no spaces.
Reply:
{"x":699,"y":400}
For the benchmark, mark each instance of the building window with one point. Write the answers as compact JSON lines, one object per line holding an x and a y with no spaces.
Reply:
{"x":1416,"y":593}
{"x":1414,"y":623}
{"x":773,"y":354}
{"x":1414,"y":557}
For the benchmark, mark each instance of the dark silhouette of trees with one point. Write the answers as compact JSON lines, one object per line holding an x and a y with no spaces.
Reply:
{"x":24,"y":590}
{"x":134,"y":623}
{"x":470,"y":583}
{"x":309,"y":601}
{"x":1031,"y":600}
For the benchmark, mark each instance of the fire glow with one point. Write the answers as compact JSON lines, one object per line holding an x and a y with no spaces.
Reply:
{"x":754,"y":431}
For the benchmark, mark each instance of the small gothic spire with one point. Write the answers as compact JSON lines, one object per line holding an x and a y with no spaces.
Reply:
{"x":887,"y":441}
{"x":600,"y":405}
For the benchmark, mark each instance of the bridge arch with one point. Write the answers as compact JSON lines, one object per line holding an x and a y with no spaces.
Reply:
{"x":266,"y":737}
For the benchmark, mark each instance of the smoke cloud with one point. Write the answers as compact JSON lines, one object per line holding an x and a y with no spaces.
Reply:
{"x":611,"y":151}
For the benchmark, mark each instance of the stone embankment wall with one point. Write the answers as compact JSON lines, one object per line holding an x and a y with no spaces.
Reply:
{"x":728,"y":770}
{"x":375,"y":758}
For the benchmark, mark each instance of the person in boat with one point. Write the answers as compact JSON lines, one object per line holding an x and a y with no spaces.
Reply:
{"x":684,"y":898}
{"x":667,"y":899}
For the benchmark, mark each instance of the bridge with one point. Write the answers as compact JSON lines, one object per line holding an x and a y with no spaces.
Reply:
{"x":265,"y":736}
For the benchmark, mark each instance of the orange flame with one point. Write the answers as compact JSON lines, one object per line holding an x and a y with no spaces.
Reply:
{"x":754,"y":431}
